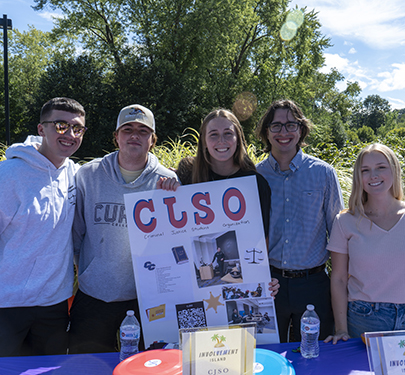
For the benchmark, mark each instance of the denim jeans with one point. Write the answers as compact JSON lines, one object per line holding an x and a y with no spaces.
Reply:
{"x":374,"y":317}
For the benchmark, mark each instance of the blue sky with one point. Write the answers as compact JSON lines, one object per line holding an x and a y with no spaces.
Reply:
{"x":22,"y":15}
{"x":368,"y":38}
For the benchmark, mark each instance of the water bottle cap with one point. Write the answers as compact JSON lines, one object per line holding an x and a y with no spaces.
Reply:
{"x":310,"y":307}
{"x":130,"y":313}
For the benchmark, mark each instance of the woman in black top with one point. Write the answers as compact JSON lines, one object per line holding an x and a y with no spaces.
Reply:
{"x":222,"y":154}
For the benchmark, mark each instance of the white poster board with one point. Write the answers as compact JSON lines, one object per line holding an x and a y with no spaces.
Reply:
{"x":174,"y":237}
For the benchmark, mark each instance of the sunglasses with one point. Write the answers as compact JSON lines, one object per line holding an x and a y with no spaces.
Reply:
{"x":62,"y":127}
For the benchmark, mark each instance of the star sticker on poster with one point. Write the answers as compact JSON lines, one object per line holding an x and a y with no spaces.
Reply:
{"x":213,"y":302}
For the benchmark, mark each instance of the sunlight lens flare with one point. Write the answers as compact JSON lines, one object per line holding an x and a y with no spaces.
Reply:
{"x":296,"y":16}
{"x":244,"y":106}
{"x":289,"y":29}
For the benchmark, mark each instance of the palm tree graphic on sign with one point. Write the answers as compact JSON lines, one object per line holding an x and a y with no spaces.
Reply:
{"x":219,"y":340}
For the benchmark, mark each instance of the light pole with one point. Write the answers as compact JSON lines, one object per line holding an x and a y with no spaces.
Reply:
{"x":6,"y":25}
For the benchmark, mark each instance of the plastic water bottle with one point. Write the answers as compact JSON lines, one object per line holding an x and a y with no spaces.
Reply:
{"x":310,"y":325}
{"x":130,"y":332}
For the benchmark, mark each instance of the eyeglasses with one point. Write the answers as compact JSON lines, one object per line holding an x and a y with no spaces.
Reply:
{"x":290,"y":126}
{"x":62,"y":127}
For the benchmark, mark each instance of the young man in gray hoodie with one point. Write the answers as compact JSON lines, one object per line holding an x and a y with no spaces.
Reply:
{"x":101,"y":241}
{"x":37,"y":205}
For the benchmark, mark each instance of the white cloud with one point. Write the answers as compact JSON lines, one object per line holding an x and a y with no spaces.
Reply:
{"x":393,"y":80}
{"x":396,"y":103}
{"x":387,"y":81}
{"x":334,"y":61}
{"x":50,"y":16}
{"x":376,"y":23}
{"x":341,"y":85}
{"x":350,"y":69}
{"x":373,"y":36}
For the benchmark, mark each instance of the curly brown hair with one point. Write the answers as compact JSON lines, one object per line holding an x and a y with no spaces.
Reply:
{"x":295,"y":110}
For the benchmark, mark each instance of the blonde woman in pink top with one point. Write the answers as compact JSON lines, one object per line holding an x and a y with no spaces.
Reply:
{"x":367,"y":249}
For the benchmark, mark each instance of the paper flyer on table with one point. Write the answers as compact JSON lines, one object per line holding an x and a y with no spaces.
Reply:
{"x":174,"y":237}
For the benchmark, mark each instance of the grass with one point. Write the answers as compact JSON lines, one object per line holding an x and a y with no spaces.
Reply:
{"x":3,"y":149}
{"x":171,"y":152}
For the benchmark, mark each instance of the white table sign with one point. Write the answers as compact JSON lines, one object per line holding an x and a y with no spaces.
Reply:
{"x":219,"y":350}
{"x":386,"y":352}
{"x":394,"y":350}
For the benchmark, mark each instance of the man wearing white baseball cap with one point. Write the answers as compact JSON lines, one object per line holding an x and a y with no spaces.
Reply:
{"x":102,"y":250}
{"x":136,"y":113}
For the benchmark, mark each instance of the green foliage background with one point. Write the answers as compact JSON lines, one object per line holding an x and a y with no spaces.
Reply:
{"x":181,"y":59}
{"x":342,"y":159}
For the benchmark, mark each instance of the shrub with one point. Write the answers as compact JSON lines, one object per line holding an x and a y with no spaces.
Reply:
{"x":366,"y":134}
{"x":171,"y":152}
{"x":2,"y":152}
{"x":342,"y":159}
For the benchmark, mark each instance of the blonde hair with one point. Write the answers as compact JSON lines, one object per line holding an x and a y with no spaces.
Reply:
{"x":358,"y":196}
{"x":202,"y":162}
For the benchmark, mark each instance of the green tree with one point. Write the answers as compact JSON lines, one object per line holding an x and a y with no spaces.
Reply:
{"x":374,"y":113}
{"x":339,"y":135}
{"x":398,"y":132}
{"x":400,"y":117}
{"x":366,"y":134}
{"x":102,"y":26}
{"x":82,"y":79}
{"x":390,"y":123}
{"x":329,"y":100}
{"x":208,"y":50}
{"x":159,"y":87}
{"x":30,"y":53}
{"x":289,"y":69}
{"x":352,"y":136}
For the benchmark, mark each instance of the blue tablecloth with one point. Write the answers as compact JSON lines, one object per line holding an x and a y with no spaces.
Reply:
{"x":344,"y":358}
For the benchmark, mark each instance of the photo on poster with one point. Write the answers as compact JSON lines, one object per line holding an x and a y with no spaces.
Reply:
{"x":250,"y":290}
{"x":157,"y":312}
{"x":219,"y":260}
{"x":180,"y":254}
{"x":259,"y":311}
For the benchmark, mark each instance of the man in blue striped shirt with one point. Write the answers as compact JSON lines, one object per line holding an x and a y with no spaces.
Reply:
{"x":306,"y":197}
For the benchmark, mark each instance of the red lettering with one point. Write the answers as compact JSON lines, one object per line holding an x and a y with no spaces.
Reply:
{"x":139,"y":206}
{"x":240,"y":212}
{"x":169,"y":202}
{"x":209,"y":214}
